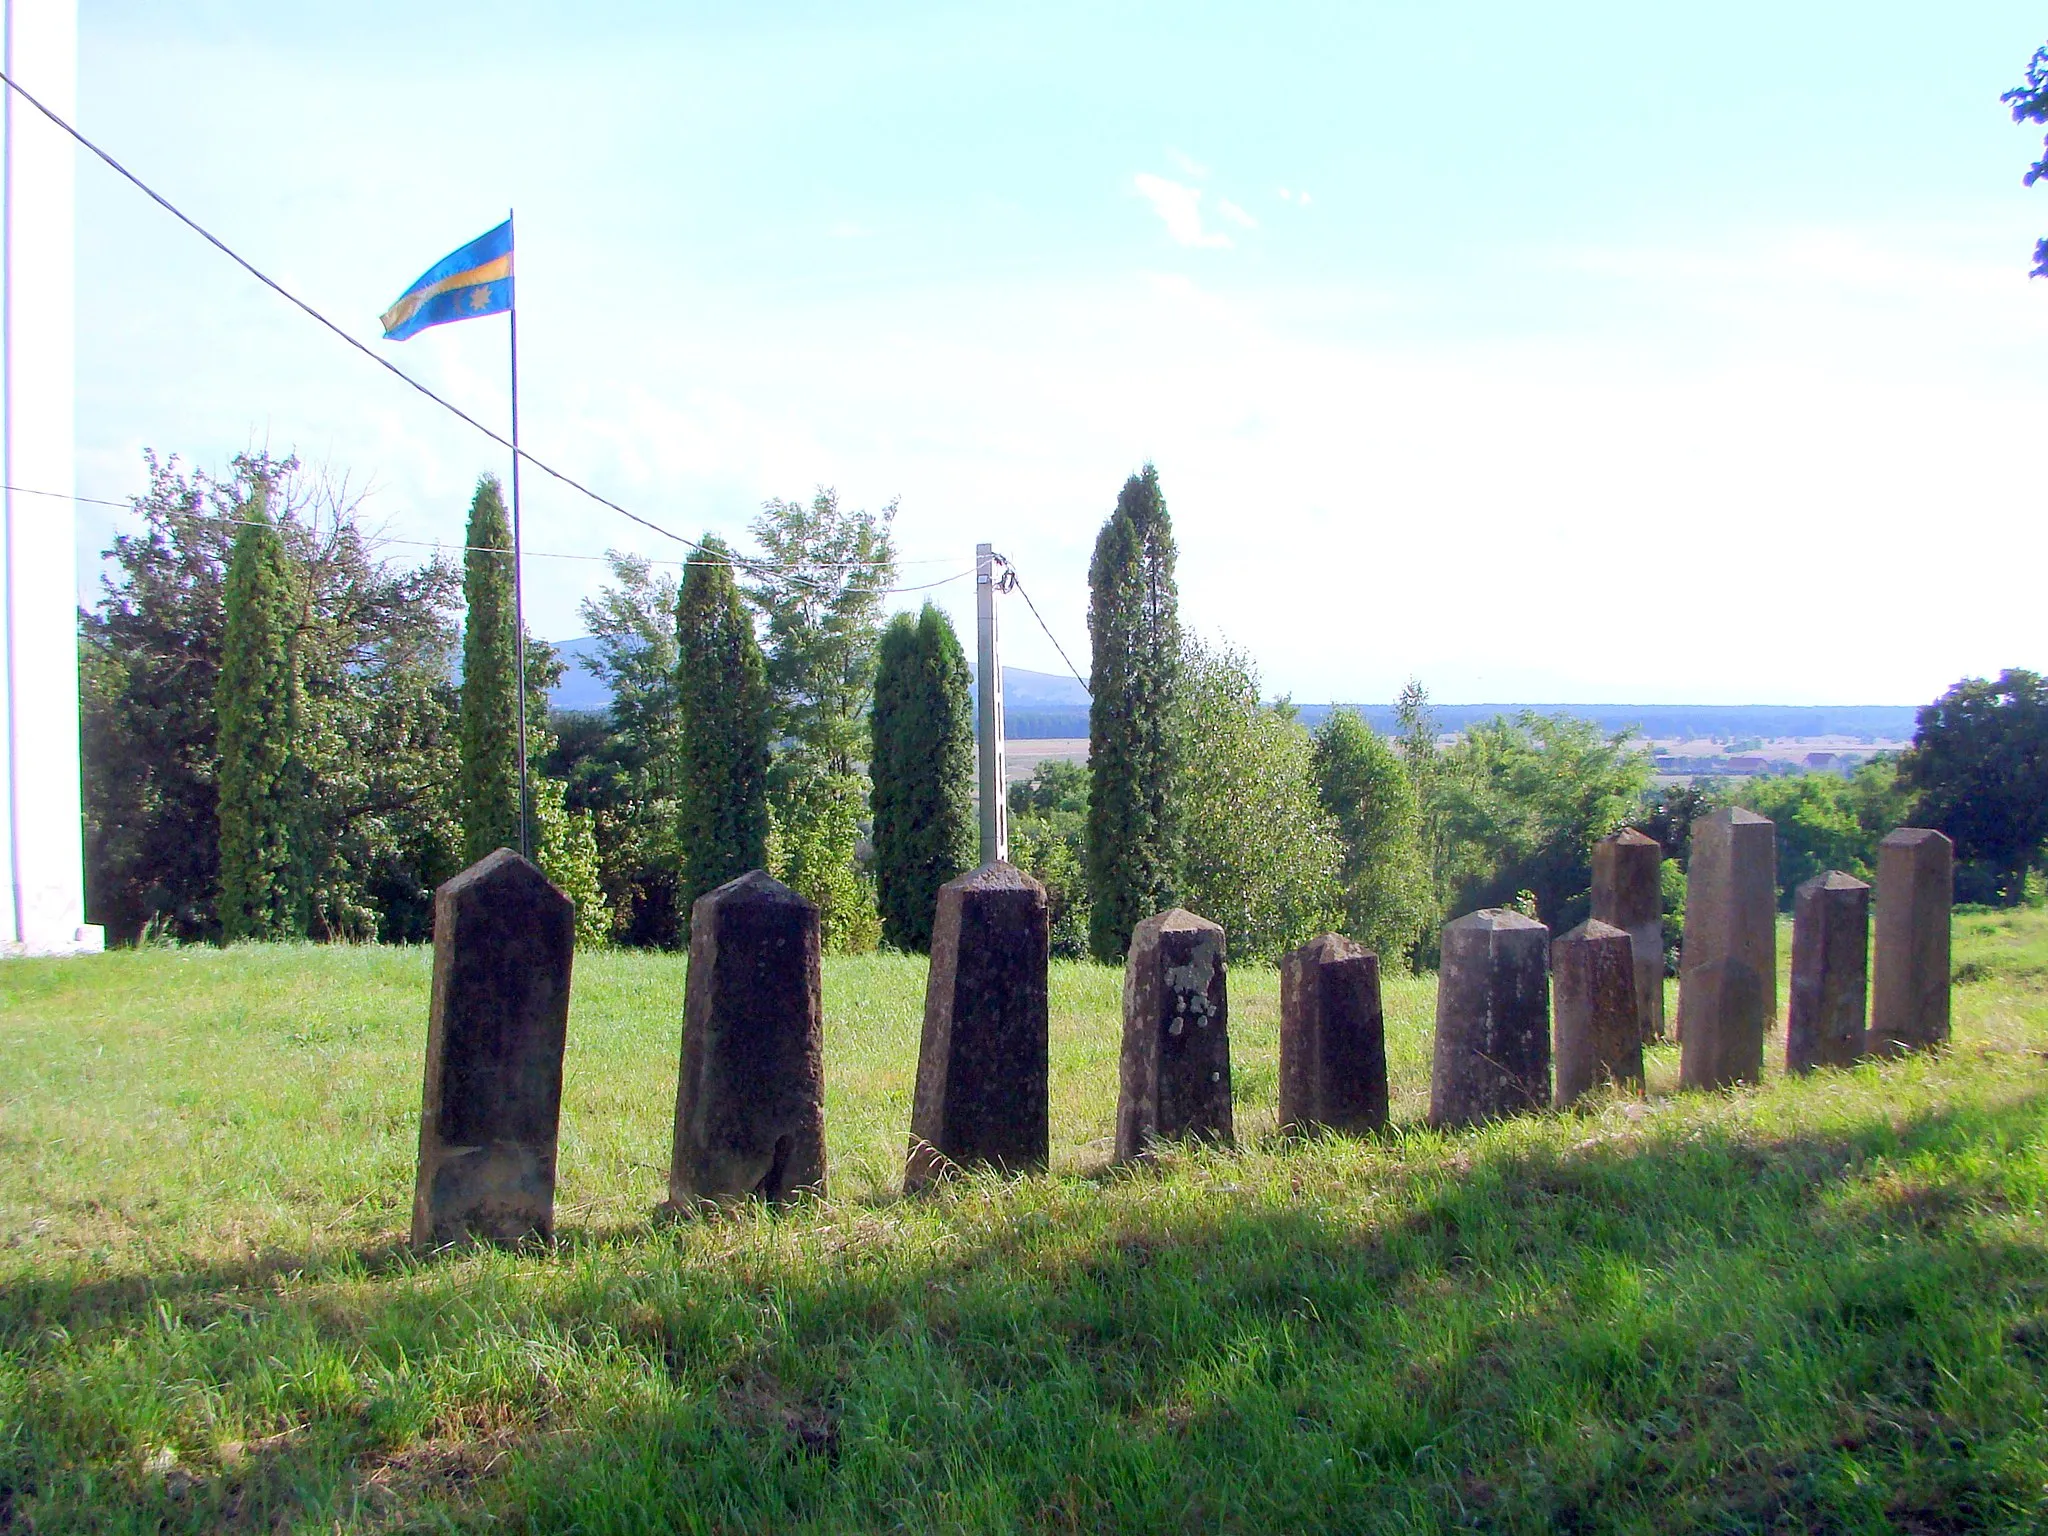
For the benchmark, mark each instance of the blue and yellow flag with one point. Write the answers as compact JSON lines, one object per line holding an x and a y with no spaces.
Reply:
{"x":476,"y":280}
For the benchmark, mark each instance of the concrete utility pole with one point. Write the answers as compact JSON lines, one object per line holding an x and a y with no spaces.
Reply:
{"x":988,"y":727}
{"x":42,"y":899}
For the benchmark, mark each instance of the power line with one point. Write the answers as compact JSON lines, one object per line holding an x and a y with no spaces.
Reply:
{"x":385,"y":363}
{"x":1011,"y":582}
{"x":434,"y":544}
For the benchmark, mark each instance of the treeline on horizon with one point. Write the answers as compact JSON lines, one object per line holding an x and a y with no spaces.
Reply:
{"x":277,"y":745}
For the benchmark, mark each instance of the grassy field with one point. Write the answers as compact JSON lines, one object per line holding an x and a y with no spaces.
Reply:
{"x":1817,"y":1305}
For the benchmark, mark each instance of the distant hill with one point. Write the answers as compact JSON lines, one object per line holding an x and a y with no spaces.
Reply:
{"x":1038,"y":705}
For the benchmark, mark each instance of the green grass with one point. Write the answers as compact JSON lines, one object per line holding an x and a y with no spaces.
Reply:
{"x":1816,"y":1305}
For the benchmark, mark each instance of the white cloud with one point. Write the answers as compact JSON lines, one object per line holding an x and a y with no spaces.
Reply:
{"x":1187,"y":165}
{"x":1235,"y":214}
{"x":1287,"y":195}
{"x":1180,"y":209}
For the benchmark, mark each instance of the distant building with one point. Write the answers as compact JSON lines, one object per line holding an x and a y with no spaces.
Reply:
{"x":1819,"y":760}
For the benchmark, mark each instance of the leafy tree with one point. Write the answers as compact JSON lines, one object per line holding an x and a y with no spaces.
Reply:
{"x":1524,"y":800}
{"x":1134,"y":627}
{"x":565,"y":848}
{"x":256,"y":700}
{"x":923,"y":771}
{"x":1817,"y":829}
{"x":2029,"y":103}
{"x":622,"y":768}
{"x":1049,"y":841}
{"x":1978,"y":770}
{"x":1260,"y":854}
{"x":374,"y":750}
{"x":488,"y":791}
{"x":1366,"y":790}
{"x":721,"y":726}
{"x":823,"y":575}
{"x":814,"y":847}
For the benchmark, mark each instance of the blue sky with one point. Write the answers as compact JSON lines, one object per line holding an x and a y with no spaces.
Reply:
{"x":1597,"y":353}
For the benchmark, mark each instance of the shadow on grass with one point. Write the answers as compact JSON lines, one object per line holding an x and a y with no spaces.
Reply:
{"x":1695,"y":1330}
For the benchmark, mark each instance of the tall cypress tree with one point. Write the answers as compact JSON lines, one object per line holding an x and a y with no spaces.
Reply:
{"x":487,"y":787}
{"x":923,"y":771}
{"x":253,"y":703}
{"x":1134,"y":626}
{"x":722,"y":720}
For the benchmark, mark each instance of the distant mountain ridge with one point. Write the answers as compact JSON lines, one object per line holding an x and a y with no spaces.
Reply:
{"x":1038,"y":705}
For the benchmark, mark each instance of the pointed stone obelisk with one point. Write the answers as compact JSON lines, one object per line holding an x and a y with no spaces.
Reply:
{"x":1830,"y":972}
{"x":1728,"y":968}
{"x":1492,"y":1052}
{"x":750,"y":1099}
{"x":1173,"y":1080}
{"x":1628,"y":893}
{"x":504,"y":941}
{"x":1333,"y":1046}
{"x":982,"y":1068}
{"x":1597,"y":1034}
{"x":1915,"y":884}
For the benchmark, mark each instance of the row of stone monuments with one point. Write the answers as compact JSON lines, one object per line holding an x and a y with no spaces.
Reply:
{"x":750,"y":1120}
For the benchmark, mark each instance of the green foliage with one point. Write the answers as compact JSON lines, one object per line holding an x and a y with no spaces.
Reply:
{"x":1133,"y":808}
{"x":2029,"y":103}
{"x":1824,"y":822}
{"x":1367,"y":791}
{"x":487,"y":789}
{"x":722,"y":725}
{"x":565,"y":848}
{"x":814,"y":848}
{"x":821,"y":582}
{"x":262,"y":893}
{"x":1260,"y":854}
{"x":1978,"y":770}
{"x":622,"y":768}
{"x":923,"y":772}
{"x":1524,"y":800}
{"x":1048,"y":840}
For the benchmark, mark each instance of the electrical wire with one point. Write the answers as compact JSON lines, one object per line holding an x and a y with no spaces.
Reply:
{"x":1011,"y":583}
{"x":752,"y":566}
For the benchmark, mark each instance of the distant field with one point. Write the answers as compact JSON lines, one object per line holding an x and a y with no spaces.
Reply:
{"x":1818,"y":1305}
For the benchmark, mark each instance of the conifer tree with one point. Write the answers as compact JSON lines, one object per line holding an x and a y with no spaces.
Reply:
{"x":722,"y":723}
{"x":253,"y":703}
{"x":1134,"y":626}
{"x":487,"y":788}
{"x":923,"y":771}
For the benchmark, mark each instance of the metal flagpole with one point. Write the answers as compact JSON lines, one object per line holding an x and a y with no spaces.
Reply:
{"x":518,"y":583}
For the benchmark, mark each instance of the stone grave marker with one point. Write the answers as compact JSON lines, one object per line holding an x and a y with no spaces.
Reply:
{"x":1492,"y":1053}
{"x":1731,"y":914}
{"x":1174,"y":1076}
{"x":1830,"y":972}
{"x":1909,"y":1008}
{"x":750,"y":1099}
{"x":1333,"y":1047}
{"x":982,"y":1068}
{"x":1628,"y":893}
{"x":504,"y":940}
{"x":1598,"y":1033}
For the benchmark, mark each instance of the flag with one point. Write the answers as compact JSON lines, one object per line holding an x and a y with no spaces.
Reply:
{"x":476,"y":280}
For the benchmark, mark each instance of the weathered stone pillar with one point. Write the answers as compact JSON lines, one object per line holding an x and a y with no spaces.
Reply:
{"x":1599,"y":1038}
{"x":982,"y":1068}
{"x":1628,"y":893}
{"x":750,"y":1101}
{"x":1174,"y":1078}
{"x":1492,"y":1055}
{"x":1830,"y":968}
{"x":1333,"y":1047}
{"x":1731,"y":914}
{"x":1915,"y":884}
{"x":504,"y":939}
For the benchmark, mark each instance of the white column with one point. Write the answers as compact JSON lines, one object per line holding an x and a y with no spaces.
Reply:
{"x":42,"y":898}
{"x":993,"y":788}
